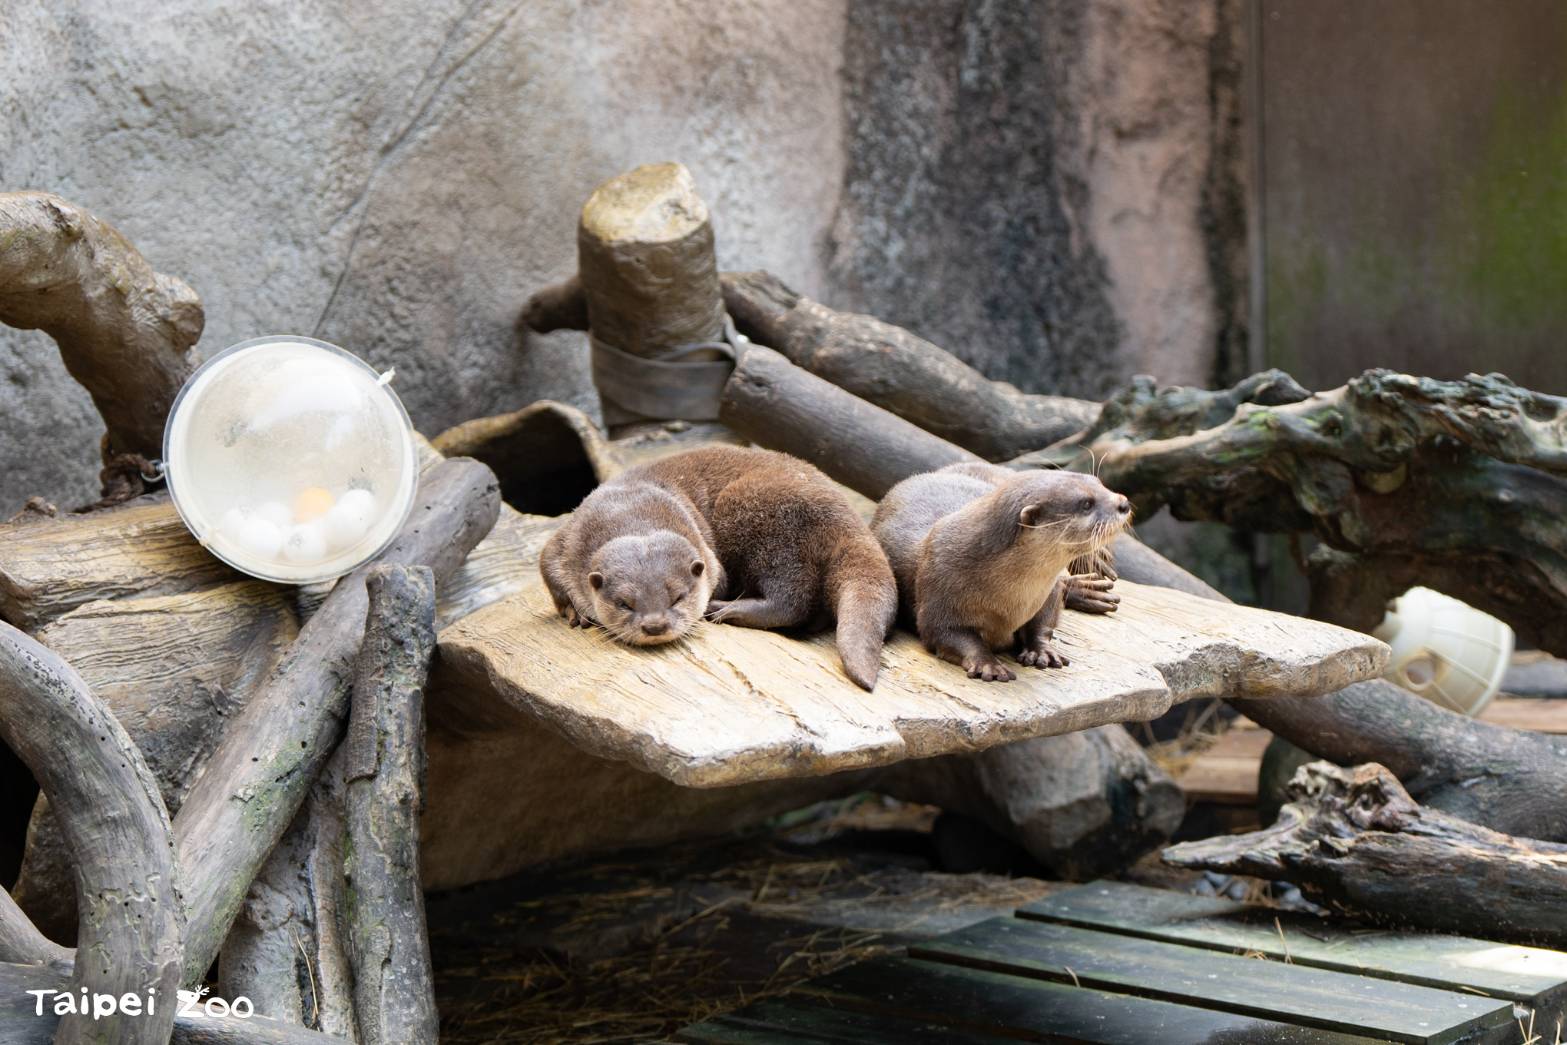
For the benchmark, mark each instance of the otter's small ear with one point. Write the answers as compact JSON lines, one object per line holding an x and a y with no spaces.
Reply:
{"x":697,"y":566}
{"x":597,"y":580}
{"x":1029,"y":515}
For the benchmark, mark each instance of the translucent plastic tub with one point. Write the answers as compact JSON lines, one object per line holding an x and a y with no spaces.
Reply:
{"x":290,"y":459}
{"x":1445,"y":650}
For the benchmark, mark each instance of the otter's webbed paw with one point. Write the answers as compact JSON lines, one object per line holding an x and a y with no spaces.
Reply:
{"x":578,"y":619}
{"x":988,"y":669}
{"x":1041,"y":654}
{"x":1090,"y":593}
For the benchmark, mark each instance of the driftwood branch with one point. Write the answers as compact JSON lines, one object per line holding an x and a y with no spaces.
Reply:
{"x":272,"y":751}
{"x":125,"y":331}
{"x":20,"y":941}
{"x":903,"y":373}
{"x":1355,"y":839}
{"x":131,"y":923}
{"x":776,"y":404}
{"x":285,"y":951}
{"x":384,"y":764}
{"x":878,"y":362}
{"x":1458,"y":485}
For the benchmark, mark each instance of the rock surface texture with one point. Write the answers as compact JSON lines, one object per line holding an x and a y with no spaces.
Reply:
{"x":398,"y":178}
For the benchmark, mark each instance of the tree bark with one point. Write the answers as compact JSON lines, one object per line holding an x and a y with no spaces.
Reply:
{"x":1354,"y":838}
{"x":384,"y":767}
{"x":272,"y":751}
{"x":125,"y":331}
{"x":900,"y":372}
{"x":285,"y":951}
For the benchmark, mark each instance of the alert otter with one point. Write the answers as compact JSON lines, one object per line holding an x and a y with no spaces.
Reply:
{"x":979,"y":551}
{"x":794,"y":552}
{"x":635,"y":558}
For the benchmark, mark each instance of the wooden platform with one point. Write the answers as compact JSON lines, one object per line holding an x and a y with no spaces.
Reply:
{"x":1116,"y":963}
{"x":731,"y":705}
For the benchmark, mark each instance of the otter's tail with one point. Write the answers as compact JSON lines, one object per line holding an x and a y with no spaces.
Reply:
{"x":864,"y":599}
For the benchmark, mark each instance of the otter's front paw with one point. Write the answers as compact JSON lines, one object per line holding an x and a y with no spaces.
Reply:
{"x":1090,"y":593}
{"x":1041,"y":655}
{"x":576,"y":619}
{"x":988,"y":669}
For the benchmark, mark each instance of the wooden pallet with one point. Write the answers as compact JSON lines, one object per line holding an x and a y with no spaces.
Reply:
{"x":1116,"y":963}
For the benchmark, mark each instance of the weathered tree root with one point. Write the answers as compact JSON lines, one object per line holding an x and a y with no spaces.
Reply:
{"x":272,"y":751}
{"x":1354,"y":838}
{"x":388,"y":946}
{"x":131,"y":916}
{"x":1457,"y":485}
{"x":125,"y":331}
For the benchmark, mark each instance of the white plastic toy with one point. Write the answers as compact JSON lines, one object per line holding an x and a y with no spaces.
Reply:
{"x":1445,"y":650}
{"x":290,"y":459}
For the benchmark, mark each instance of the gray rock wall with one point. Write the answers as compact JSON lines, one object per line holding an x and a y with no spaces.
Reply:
{"x":397,"y":177}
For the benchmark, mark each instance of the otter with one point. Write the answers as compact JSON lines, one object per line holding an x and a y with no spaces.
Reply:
{"x":794,"y":553}
{"x":636,"y":558}
{"x":978,"y":552}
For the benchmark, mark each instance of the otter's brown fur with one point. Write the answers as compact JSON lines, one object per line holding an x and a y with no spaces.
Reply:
{"x":635,"y":558}
{"x":794,"y":553}
{"x":979,"y":553}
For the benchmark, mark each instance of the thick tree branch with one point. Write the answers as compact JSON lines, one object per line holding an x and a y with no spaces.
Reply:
{"x":125,"y":331}
{"x":394,"y":987}
{"x":129,"y":935}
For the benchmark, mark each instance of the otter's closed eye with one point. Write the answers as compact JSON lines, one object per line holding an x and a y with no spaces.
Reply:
{"x":623,"y":604}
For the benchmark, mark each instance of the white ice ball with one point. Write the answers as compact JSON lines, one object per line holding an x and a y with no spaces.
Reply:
{"x":275,"y":512}
{"x":260,"y":538}
{"x":304,"y":544}
{"x":350,"y":519}
{"x":232,"y":525}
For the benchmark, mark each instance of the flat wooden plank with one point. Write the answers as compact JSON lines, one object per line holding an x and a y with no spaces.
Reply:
{"x":1030,"y":1009}
{"x":1226,"y":772}
{"x":796,"y":1018}
{"x":1541,"y":714}
{"x":732,"y":705}
{"x":1530,"y":976}
{"x":1298,"y":994}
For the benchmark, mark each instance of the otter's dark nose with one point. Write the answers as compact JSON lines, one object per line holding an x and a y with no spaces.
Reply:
{"x":656,"y":626}
{"x":1122,"y":505}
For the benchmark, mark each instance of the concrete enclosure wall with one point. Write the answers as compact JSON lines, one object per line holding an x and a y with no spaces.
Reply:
{"x":1049,"y":189}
